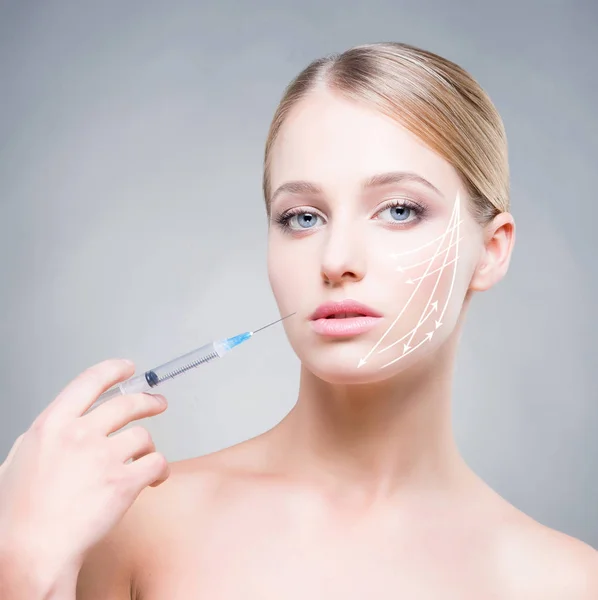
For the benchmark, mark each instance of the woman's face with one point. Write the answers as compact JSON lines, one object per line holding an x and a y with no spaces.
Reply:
{"x":363,"y":211}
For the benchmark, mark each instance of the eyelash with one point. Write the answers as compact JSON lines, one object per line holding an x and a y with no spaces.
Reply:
{"x":420,"y":211}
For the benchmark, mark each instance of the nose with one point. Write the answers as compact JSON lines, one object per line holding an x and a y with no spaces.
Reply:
{"x":343,"y":256}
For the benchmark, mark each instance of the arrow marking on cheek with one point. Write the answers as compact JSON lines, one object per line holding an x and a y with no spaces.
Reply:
{"x":426,"y":339}
{"x":439,"y":321}
{"x":434,"y":307}
{"x":440,"y":237}
{"x":363,"y":360}
{"x":401,"y":268}
{"x":412,"y":280}
{"x":440,"y":270}
{"x":407,"y":349}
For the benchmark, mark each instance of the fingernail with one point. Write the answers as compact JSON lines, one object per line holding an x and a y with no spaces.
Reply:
{"x":128,"y":362}
{"x":160,"y":398}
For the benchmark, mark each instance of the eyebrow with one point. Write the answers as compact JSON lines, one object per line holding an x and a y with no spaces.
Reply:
{"x":393,"y":177}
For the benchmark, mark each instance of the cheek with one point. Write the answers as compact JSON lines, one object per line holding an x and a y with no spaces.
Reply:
{"x":426,"y":282}
{"x":429,"y":288}
{"x":287,"y":273}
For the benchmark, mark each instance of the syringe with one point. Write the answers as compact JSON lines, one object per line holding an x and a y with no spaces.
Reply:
{"x":173,"y":368}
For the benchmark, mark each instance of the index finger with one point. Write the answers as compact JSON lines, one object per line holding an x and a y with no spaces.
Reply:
{"x":84,"y":390}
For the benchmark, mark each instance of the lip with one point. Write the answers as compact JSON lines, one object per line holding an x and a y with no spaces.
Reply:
{"x":346,"y":326}
{"x":345,"y":306}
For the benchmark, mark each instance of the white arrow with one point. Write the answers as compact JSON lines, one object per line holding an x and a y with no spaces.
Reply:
{"x":362,"y":361}
{"x":439,"y":321}
{"x":412,"y":280}
{"x":423,"y":262}
{"x":397,"y":255}
{"x":426,"y":339}
{"x":445,"y":264}
{"x":434,"y":306}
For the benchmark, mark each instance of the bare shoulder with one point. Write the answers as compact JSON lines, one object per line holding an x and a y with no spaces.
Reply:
{"x":545,"y":563}
{"x":158,"y":520}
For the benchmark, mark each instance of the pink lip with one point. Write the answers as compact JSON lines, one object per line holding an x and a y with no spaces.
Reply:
{"x":350,"y":306}
{"x":344,"y":327}
{"x":347,"y":326}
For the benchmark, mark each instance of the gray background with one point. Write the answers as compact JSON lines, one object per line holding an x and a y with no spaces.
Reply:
{"x":132,"y":224}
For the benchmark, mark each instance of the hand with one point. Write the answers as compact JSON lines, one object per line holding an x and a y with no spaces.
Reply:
{"x":65,"y":483}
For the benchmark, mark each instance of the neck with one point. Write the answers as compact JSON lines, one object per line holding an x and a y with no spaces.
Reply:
{"x":374,"y":439}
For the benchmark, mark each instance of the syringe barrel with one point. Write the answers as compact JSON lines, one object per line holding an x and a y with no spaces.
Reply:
{"x":148,"y":381}
{"x":134,"y":385}
{"x":184,"y":363}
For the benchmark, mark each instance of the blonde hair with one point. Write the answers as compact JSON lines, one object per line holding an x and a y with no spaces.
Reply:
{"x":431,"y":97}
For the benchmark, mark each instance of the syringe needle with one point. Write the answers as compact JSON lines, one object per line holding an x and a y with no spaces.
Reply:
{"x":273,"y":323}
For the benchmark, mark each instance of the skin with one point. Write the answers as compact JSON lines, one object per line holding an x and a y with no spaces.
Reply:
{"x":360,"y":490}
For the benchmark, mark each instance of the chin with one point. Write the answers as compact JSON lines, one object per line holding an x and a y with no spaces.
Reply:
{"x":338,"y":364}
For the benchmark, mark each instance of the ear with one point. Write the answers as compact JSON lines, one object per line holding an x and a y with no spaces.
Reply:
{"x":499,"y":238}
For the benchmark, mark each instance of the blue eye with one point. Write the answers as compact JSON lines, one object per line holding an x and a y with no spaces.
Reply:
{"x":304,"y":219}
{"x":402,"y":211}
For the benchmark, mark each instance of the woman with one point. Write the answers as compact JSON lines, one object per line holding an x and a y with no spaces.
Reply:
{"x":386,"y":186}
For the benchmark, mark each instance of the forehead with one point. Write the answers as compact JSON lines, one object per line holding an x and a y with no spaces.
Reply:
{"x":332,"y":140}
